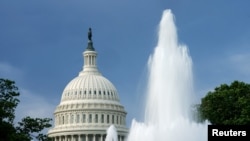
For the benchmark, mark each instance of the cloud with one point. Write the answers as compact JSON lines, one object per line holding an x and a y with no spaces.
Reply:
{"x":33,"y":105}
{"x":9,"y":71}
{"x":240,"y":63}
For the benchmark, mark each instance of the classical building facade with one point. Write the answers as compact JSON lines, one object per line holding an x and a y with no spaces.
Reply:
{"x":89,"y":105}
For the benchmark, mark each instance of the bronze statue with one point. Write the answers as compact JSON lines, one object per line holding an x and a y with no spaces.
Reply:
{"x":90,"y":34}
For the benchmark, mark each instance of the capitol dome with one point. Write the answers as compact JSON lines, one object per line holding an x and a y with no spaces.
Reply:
{"x":89,"y":87}
{"x":89,"y":105}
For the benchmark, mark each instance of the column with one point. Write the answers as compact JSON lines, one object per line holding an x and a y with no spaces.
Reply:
{"x":79,"y":138}
{"x":101,"y":137}
{"x":93,"y":137}
{"x":87,"y":139}
{"x":120,"y":139}
{"x":66,"y":138}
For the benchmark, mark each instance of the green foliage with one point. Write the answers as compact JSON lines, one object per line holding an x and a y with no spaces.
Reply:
{"x":26,"y":129}
{"x":227,"y":104}
{"x":8,"y":100}
{"x":30,"y":125}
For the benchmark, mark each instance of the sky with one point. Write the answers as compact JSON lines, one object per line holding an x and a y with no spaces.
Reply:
{"x":41,"y":45}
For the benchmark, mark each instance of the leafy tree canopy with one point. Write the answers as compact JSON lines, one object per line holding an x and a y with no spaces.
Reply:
{"x":26,"y":129}
{"x":227,"y":104}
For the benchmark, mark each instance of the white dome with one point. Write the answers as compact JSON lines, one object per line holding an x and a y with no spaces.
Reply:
{"x":89,"y":87}
{"x":89,"y":105}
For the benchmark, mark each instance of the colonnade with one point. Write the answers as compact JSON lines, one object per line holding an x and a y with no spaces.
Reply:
{"x":90,"y":59}
{"x":88,"y":118}
{"x":83,"y":137}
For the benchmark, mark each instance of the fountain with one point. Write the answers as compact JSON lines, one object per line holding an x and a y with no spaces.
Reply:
{"x":168,"y":115}
{"x":170,"y":95}
{"x":111,"y":134}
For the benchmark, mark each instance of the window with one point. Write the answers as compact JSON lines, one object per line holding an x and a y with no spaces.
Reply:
{"x":92,"y":60}
{"x":113,"y":119}
{"x":67,"y":117}
{"x":90,"y":118}
{"x":59,"y":120}
{"x":77,"y":118}
{"x":102,"y":120}
{"x":72,"y":119}
{"x":89,"y":60}
{"x":83,"y":118}
{"x":107,"y":118}
{"x":96,"y":118}
{"x":62,"y":119}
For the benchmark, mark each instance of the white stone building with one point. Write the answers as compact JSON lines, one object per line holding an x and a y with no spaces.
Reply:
{"x":89,"y":105}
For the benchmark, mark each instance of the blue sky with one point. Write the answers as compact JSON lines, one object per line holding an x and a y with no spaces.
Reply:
{"x":41,"y":45}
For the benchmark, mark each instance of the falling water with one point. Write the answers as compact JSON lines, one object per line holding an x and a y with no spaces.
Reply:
{"x":169,"y":93}
{"x":111,"y":134}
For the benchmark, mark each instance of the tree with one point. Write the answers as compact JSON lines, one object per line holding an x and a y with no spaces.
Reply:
{"x":8,"y":103}
{"x":8,"y":100}
{"x":30,"y":125}
{"x":227,"y":105}
{"x":26,"y":129}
